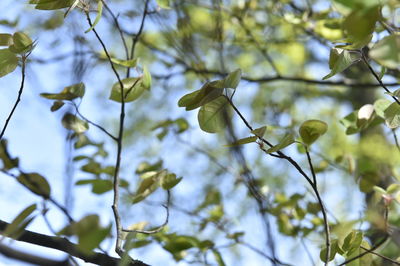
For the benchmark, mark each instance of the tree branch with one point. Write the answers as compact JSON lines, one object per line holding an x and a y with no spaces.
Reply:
{"x":68,"y":247}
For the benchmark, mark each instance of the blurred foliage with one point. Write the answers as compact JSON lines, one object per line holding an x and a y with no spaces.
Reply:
{"x":301,"y":97}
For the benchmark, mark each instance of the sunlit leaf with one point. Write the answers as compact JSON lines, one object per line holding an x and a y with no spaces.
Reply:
{"x":8,"y":62}
{"x":19,"y":223}
{"x":125,"y":63}
{"x":68,"y":93}
{"x":133,"y":88}
{"x":51,"y":4}
{"x":392,"y":115}
{"x":386,"y":51}
{"x":259,"y":132}
{"x":5,"y":39}
{"x":98,"y":17}
{"x":287,"y":140}
{"x":70,"y":121}
{"x":209,"y":92}
{"x":99,"y":186}
{"x":311,"y":130}
{"x":169,"y":181}
{"x":211,"y":115}
{"x":339,"y":60}
{"x":35,"y":183}
{"x":380,"y":106}
{"x":22,"y":43}
{"x":233,"y":79}
{"x":242,"y":141}
{"x":163,"y":4}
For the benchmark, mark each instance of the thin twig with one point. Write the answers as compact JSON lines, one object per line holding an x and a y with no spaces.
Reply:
{"x":21,"y":88}
{"x":159,"y":228}
{"x":301,"y":171}
{"x":364,"y":58}
{"x":137,"y":35}
{"x":311,"y":165}
{"x":93,"y":123}
{"x":381,"y":256}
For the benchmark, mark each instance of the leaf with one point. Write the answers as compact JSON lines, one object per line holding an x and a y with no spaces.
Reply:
{"x":68,"y":93}
{"x":51,"y":4}
{"x":339,"y":60}
{"x":99,"y":186}
{"x":22,"y":43}
{"x":386,"y":51}
{"x":56,"y":105}
{"x":333,"y":251}
{"x":150,"y":182}
{"x":35,"y":183}
{"x":360,"y":23}
{"x":211,"y":115}
{"x":218,"y":257}
{"x":8,"y":62}
{"x":392,"y":115}
{"x":169,"y":181}
{"x":89,"y":231}
{"x":98,"y":17}
{"x":311,"y":130}
{"x":70,"y":121}
{"x":352,"y":242}
{"x":5,"y":157}
{"x":146,"y":78}
{"x":209,"y":92}
{"x":5,"y":39}
{"x":380,"y":106}
{"x":133,"y":88}
{"x":125,"y":63}
{"x":259,"y":132}
{"x":233,"y":79}
{"x":287,"y":140}
{"x":163,"y":4}
{"x":19,"y":223}
{"x":242,"y":141}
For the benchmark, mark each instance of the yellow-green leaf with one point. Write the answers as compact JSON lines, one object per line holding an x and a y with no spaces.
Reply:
{"x":35,"y":183}
{"x":311,"y":130}
{"x":211,"y":115}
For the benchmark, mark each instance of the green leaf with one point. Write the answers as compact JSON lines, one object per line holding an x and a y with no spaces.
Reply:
{"x":133,"y":88}
{"x":56,"y":106}
{"x":259,"y":132}
{"x":360,"y":23}
{"x":70,"y":121}
{"x":392,"y":115}
{"x":6,"y":39}
{"x":218,"y":257}
{"x":99,"y":186}
{"x":35,"y":183}
{"x":333,"y":251}
{"x":16,"y":227}
{"x":146,"y":78}
{"x":380,"y":106}
{"x":5,"y":157}
{"x":233,"y":79}
{"x":211,"y":115}
{"x":311,"y":130}
{"x":68,"y":93}
{"x":339,"y":60}
{"x":98,"y":17}
{"x":8,"y":62}
{"x":209,"y":92}
{"x":242,"y":141}
{"x":22,"y":43}
{"x":287,"y":140}
{"x":125,"y":63}
{"x":352,"y":241}
{"x":386,"y":51}
{"x":169,"y":181}
{"x":151,"y":181}
{"x":90,"y":233}
{"x":163,"y":4}
{"x":51,"y":4}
